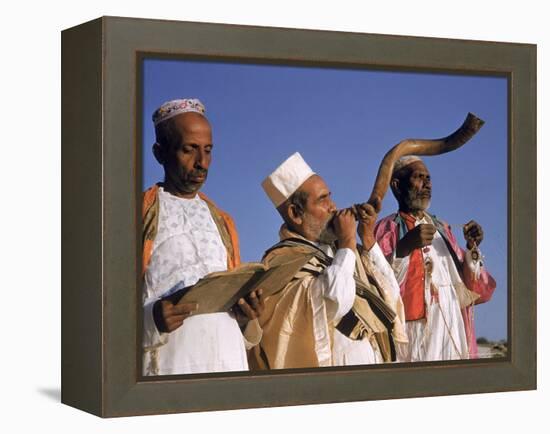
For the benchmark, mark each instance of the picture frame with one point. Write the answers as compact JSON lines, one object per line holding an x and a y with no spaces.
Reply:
{"x":101,"y":233}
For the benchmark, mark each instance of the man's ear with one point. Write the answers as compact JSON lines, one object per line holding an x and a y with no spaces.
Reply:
{"x":159,"y":153}
{"x":394,"y":184}
{"x":294,"y":215}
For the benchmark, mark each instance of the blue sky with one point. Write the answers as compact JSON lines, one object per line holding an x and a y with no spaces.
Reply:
{"x":343,"y":122}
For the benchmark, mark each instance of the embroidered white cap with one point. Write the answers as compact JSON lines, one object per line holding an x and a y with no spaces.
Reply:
{"x":177,"y":106}
{"x":286,"y":179}
{"x":404,"y":162}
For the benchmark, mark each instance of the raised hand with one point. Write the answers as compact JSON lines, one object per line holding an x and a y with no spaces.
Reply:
{"x":366,"y":215}
{"x":421,"y":236}
{"x":344,"y":229}
{"x":473,"y":234}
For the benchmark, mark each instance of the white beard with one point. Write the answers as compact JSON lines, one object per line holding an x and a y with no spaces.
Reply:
{"x":421,"y":204}
{"x":417,"y":203}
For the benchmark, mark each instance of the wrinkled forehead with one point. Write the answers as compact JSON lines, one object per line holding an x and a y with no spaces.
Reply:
{"x":314,"y":186}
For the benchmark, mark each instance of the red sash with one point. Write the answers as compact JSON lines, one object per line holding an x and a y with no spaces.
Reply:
{"x":413,"y":288}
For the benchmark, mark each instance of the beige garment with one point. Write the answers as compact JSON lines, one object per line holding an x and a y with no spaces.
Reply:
{"x":289,"y":338}
{"x":296,"y":330}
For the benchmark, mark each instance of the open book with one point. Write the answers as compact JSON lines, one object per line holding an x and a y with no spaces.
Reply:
{"x":218,"y":292}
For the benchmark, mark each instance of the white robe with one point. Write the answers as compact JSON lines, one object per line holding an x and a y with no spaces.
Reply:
{"x":187,"y":247}
{"x":337,"y":286}
{"x":441,"y":335}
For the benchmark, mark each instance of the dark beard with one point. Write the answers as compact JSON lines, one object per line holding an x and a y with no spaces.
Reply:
{"x":182,"y":183}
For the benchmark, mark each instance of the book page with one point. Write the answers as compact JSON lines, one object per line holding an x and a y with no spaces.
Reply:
{"x":218,"y":292}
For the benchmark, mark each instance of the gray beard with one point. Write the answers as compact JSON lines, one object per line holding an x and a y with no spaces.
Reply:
{"x":327,"y":236}
{"x":417,"y":203}
{"x":326,"y":233}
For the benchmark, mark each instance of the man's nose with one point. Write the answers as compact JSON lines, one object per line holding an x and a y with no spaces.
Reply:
{"x":202,"y":160}
{"x":332,"y":206}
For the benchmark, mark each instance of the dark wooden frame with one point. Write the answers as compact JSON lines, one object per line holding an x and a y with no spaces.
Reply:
{"x":101,"y":166}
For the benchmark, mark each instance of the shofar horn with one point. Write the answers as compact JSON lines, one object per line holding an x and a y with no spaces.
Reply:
{"x":469,"y":128}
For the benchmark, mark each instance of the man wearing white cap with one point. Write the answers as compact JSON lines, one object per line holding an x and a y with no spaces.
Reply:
{"x":185,"y":237}
{"x":439,"y":281}
{"x":317,"y":320}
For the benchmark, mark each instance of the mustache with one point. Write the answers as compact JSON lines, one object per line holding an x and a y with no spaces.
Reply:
{"x":198,"y":172}
{"x":423,"y":194}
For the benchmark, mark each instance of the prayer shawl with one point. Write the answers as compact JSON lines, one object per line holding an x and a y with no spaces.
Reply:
{"x":392,"y":228}
{"x":223,"y":221}
{"x":293,"y":336}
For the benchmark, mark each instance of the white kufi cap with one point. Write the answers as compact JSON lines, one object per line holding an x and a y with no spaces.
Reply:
{"x":177,"y":106}
{"x":286,"y":179}
{"x":404,"y":162}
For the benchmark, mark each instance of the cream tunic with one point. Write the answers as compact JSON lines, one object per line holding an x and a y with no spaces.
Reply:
{"x":299,"y":321}
{"x":187,"y":247}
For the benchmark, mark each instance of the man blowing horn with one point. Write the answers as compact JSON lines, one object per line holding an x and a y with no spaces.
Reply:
{"x":343,"y":307}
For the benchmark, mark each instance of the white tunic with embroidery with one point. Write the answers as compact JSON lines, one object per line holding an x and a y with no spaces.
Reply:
{"x":187,"y":247}
{"x":441,"y":335}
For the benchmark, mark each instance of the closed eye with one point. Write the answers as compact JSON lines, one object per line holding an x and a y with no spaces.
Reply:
{"x":324,"y":197}
{"x":192,"y":147}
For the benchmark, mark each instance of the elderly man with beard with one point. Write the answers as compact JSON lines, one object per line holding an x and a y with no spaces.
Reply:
{"x":185,"y":237}
{"x":317,"y":319}
{"x":439,"y":281}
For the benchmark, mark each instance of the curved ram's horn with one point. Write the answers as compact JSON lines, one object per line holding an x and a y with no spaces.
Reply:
{"x":469,"y":128}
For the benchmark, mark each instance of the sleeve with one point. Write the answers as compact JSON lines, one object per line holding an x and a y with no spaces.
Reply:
{"x":152,"y":338}
{"x":375,"y":261}
{"x":386,"y":237}
{"x":400,"y":267}
{"x":336,"y":285}
{"x":252,"y":334}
